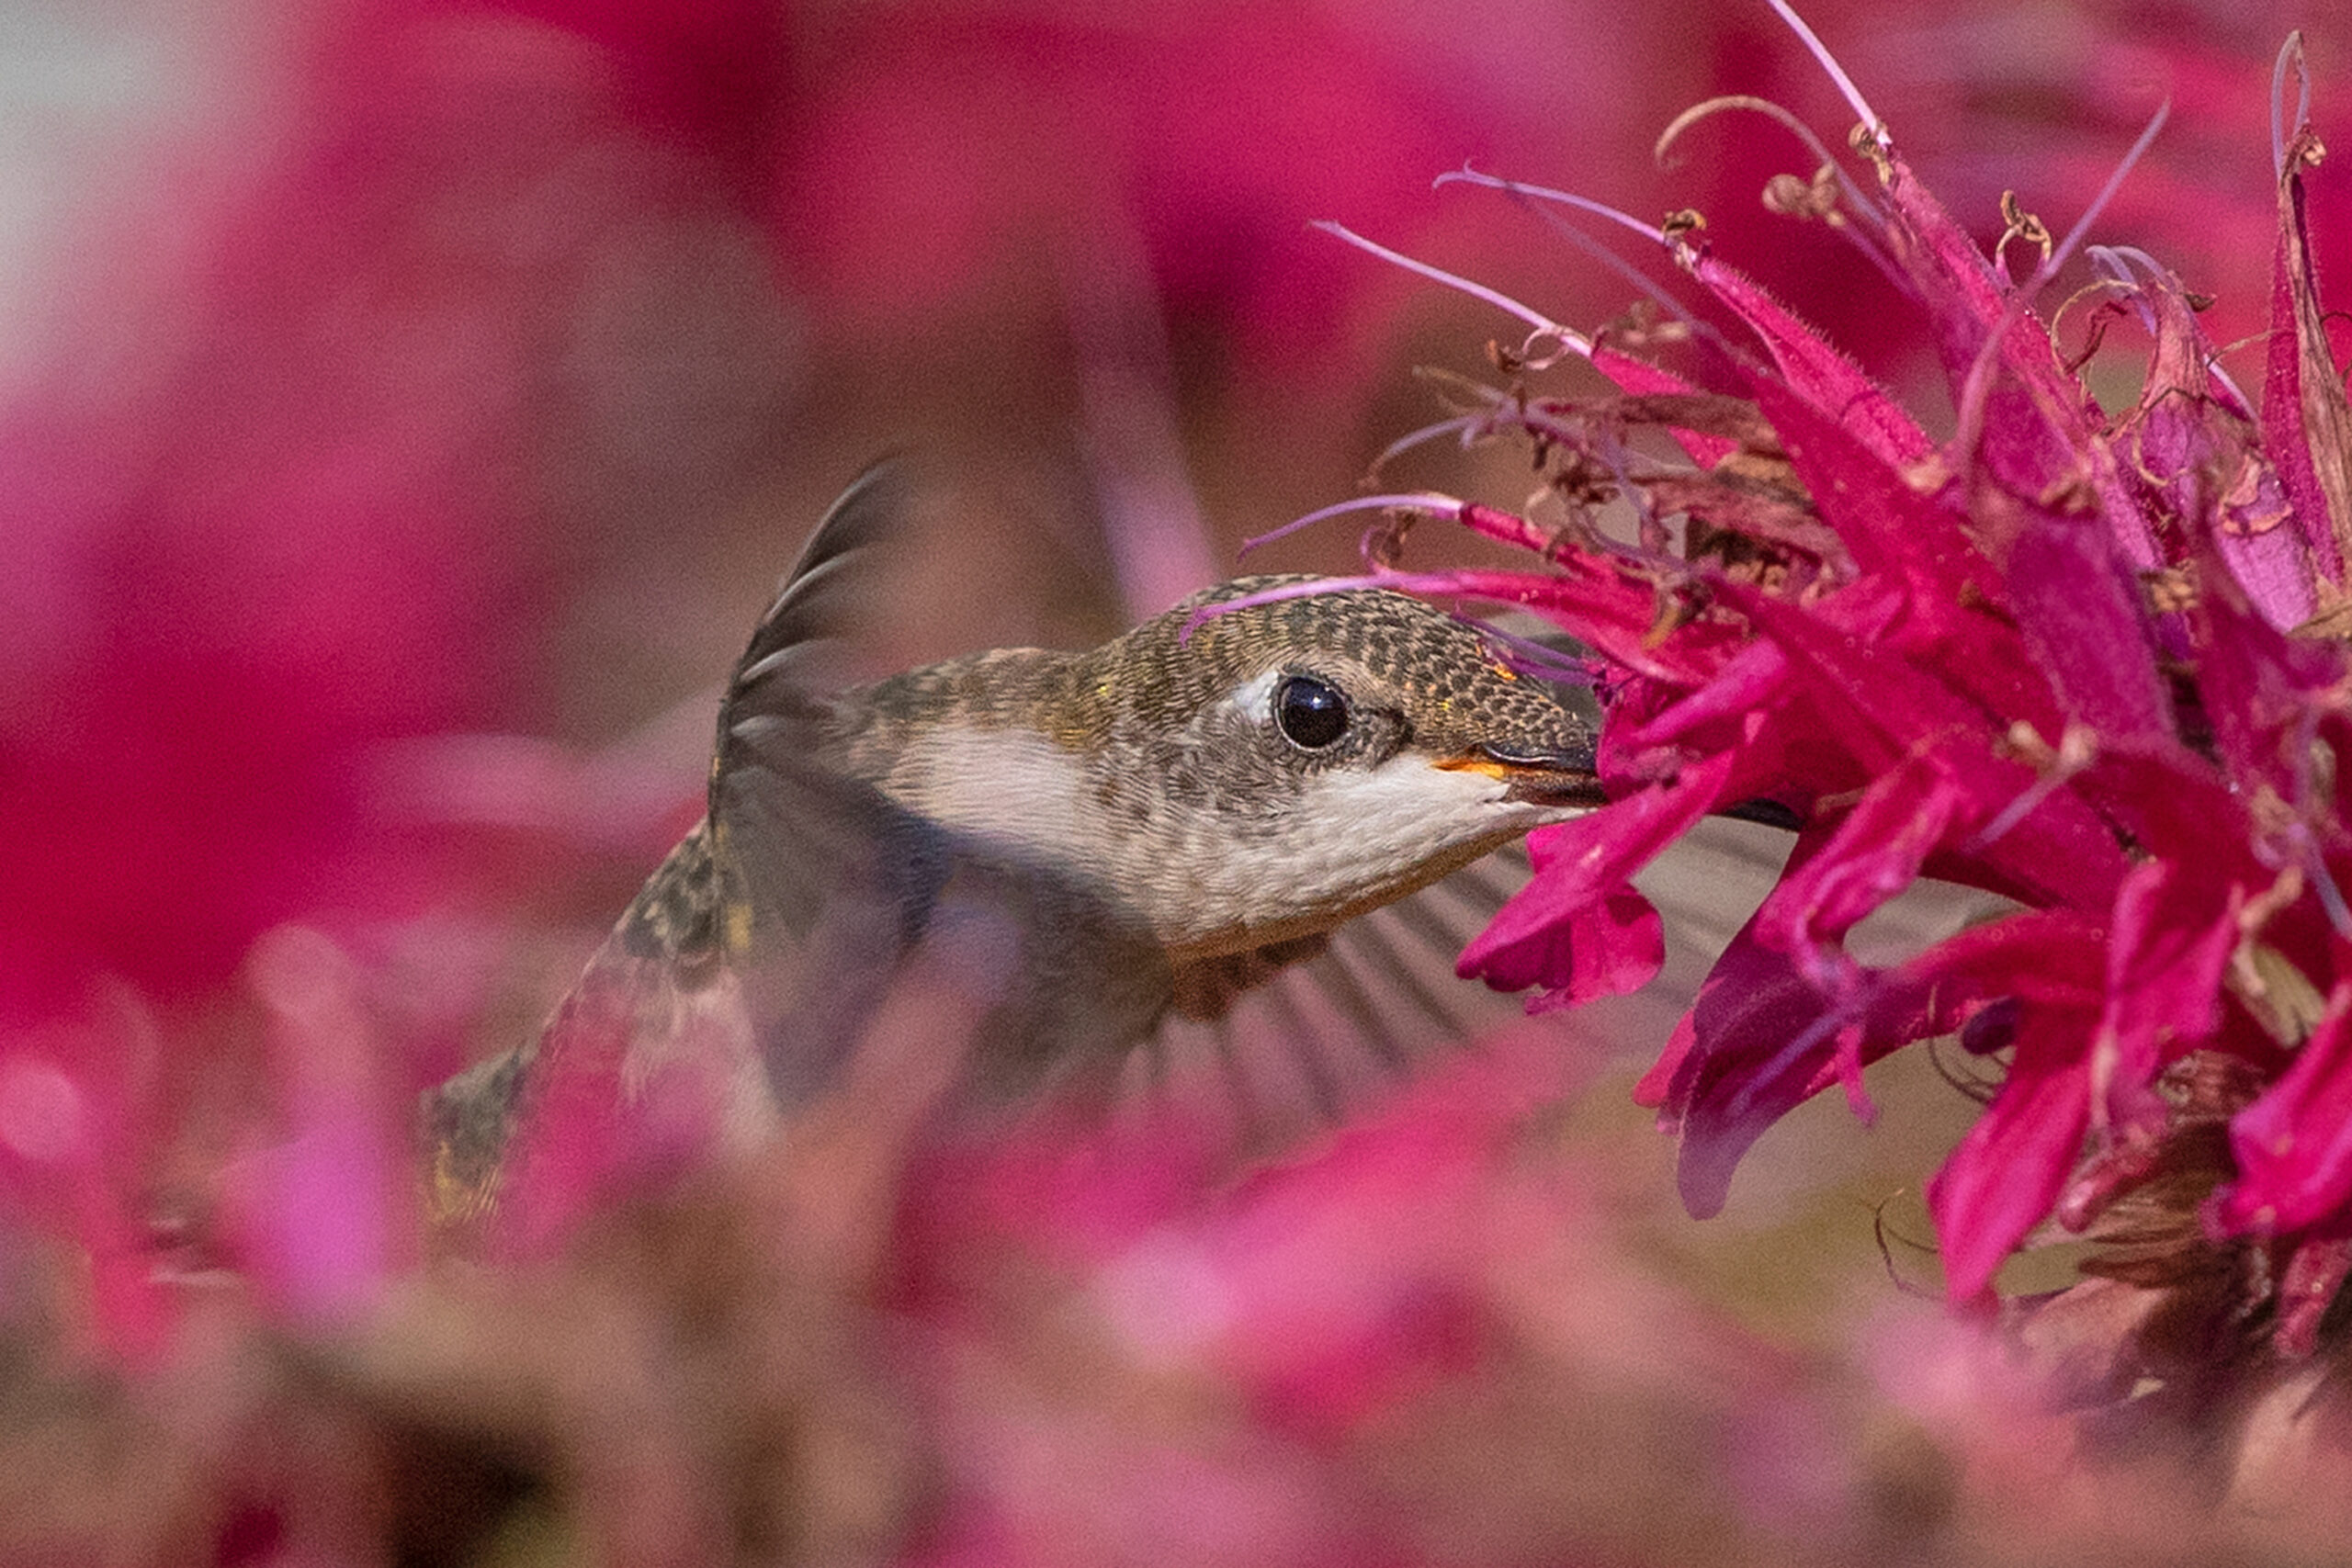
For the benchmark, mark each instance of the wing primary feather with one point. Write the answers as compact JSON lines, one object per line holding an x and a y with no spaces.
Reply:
{"x":1337,"y":980}
{"x":863,"y":513}
{"x":1487,"y":884}
{"x":1154,"y":1051}
{"x":1465,"y":899}
{"x":1370,"y":936}
{"x":1250,"y":1113}
{"x":1305,"y":1053}
{"x":1445,"y":917}
{"x":1425,"y":923}
{"x":809,"y":605}
{"x":1160,"y":1066}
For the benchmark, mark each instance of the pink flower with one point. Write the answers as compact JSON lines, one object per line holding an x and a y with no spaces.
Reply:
{"x":2065,"y":656}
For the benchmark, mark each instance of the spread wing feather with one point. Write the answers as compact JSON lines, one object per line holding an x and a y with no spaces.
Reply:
{"x":1303,"y":1044}
{"x":1331,"y":1032}
{"x":753,"y":957}
{"x":752,"y":962}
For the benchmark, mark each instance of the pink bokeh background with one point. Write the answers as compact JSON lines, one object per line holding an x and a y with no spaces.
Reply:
{"x":405,"y":410}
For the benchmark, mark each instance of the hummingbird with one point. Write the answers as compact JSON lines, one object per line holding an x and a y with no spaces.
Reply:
{"x":1261,"y":798}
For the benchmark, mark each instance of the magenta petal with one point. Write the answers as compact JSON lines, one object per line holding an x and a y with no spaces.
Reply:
{"x":2315,"y":1271}
{"x":1653,"y":729}
{"x":1763,"y":1039}
{"x":1882,"y":519}
{"x":1719,"y":715}
{"x":1578,"y":923}
{"x":1639,"y":377}
{"x":1656,"y":1086}
{"x":2082,"y":616}
{"x":2264,"y":555}
{"x":1817,"y":368}
{"x":2306,"y":426}
{"x":2008,"y":1170}
{"x":2293,"y":1146}
{"x":2050,"y":958}
{"x":1873,"y":705}
{"x":2191,"y":443}
{"x":1764,"y":515}
{"x":2060,"y":855}
{"x":1758,"y":1040}
{"x":1612,"y":946}
{"x":2040,"y":427}
{"x":1874,"y":853}
{"x":2171,"y":940}
{"x":2260,"y":687}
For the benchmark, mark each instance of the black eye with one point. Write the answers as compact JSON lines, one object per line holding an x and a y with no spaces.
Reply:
{"x":1311,"y":713}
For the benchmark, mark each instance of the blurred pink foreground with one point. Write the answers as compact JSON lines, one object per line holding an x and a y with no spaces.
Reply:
{"x":411,"y":403}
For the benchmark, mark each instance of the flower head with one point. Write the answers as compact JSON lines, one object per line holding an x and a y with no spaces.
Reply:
{"x":2074,"y":657}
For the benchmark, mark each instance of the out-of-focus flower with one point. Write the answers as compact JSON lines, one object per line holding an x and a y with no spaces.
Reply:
{"x":1423,"y":1343}
{"x":423,"y":360}
{"x":2037,"y":98}
{"x":283,"y":461}
{"x":2085,"y":660}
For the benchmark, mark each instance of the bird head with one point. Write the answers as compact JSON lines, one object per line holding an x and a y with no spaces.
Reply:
{"x":1297,"y":761}
{"x":1238,"y":770}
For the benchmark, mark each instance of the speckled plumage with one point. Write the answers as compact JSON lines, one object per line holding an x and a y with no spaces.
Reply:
{"x":1172,"y":783}
{"x":1133,"y":812}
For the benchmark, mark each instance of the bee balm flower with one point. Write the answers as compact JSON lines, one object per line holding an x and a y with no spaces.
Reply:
{"x":2081,"y":659}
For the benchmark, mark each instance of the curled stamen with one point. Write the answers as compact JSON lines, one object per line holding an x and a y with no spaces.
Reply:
{"x":2290,"y":56}
{"x":2120,"y":261}
{"x":1848,"y":191}
{"x":1576,"y":237}
{"x":2022,"y":225}
{"x":1880,"y":1232}
{"x":1569,"y":340}
{"x":1468,"y":426}
{"x":1381,"y":544}
{"x":1851,"y":195}
{"x":2118,"y":269}
{"x":1613,"y":455}
{"x":2120,"y":292}
{"x":1976,"y":389}
{"x":1846,"y":88}
{"x":1427,"y":501}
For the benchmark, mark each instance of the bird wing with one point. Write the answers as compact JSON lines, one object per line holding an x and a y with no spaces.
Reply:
{"x":1261,"y":1048}
{"x":751,"y":958}
{"x":1308,"y":1034}
{"x":834,"y":882}
{"x":753,"y":962}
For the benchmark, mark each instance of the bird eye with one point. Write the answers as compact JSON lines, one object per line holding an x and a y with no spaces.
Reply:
{"x":1312,"y":712}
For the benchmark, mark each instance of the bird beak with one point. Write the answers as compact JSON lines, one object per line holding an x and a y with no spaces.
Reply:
{"x":1544,"y":776}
